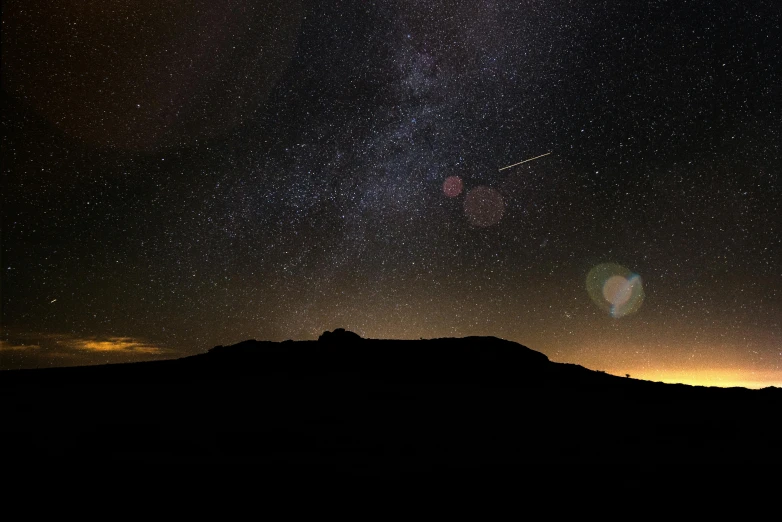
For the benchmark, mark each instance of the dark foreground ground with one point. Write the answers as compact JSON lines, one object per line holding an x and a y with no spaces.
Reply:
{"x":475,"y":411}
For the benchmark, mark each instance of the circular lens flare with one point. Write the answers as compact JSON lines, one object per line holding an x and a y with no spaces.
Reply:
{"x":484,"y":206}
{"x":453,"y":186}
{"x":615,"y":289}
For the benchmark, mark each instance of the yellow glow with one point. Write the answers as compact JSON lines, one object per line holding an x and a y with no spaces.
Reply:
{"x":664,"y":358}
{"x":116,"y":344}
{"x":6,"y":346}
{"x":722,"y":377}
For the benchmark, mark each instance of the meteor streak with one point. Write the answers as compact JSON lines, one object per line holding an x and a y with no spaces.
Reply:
{"x":525,"y":161}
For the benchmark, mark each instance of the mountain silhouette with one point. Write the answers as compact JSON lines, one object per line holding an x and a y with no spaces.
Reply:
{"x":475,"y":409}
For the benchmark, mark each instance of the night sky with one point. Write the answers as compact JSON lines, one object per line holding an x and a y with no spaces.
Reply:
{"x":179,"y":175}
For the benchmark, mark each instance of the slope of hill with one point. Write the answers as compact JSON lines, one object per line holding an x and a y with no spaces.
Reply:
{"x":344,"y":408}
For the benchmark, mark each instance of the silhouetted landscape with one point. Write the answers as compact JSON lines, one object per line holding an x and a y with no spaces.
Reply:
{"x":597,"y":180}
{"x":343,"y":408}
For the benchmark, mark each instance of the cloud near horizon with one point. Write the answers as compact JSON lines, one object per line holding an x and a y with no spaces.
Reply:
{"x":115,"y":345}
{"x":7,"y":346}
{"x":33,"y":349}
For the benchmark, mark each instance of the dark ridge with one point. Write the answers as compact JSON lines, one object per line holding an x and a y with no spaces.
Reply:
{"x":342,"y":351}
{"x":474,"y":409}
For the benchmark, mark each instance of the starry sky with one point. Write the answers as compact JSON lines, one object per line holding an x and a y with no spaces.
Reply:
{"x":181,"y":175}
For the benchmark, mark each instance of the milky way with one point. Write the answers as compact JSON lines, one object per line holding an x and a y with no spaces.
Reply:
{"x":174,"y":179}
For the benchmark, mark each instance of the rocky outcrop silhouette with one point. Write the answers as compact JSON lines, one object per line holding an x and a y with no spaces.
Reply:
{"x":339,"y":336}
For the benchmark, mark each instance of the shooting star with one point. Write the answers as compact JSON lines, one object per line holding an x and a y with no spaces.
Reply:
{"x":525,"y":161}
{"x":53,"y":300}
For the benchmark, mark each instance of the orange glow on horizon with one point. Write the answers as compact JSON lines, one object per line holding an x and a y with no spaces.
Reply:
{"x":706,"y":362}
{"x":720,"y":377}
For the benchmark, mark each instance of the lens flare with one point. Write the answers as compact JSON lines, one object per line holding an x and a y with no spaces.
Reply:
{"x":484,"y":206}
{"x":615,"y":289}
{"x":452,"y":186}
